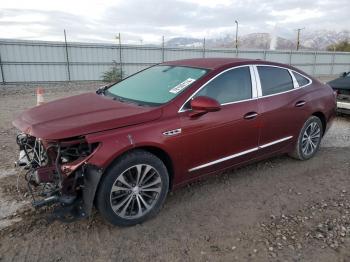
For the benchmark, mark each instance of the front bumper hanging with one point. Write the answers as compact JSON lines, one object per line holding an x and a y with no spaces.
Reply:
{"x":57,"y":175}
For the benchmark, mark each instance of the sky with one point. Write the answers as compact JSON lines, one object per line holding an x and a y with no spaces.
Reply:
{"x":146,"y":21}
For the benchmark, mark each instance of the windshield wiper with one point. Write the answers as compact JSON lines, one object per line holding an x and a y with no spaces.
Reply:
{"x":102,"y":90}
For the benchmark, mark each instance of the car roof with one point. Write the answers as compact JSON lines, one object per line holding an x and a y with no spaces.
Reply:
{"x":214,"y":63}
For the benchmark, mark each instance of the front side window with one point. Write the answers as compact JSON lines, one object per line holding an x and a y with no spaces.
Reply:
{"x":231,"y":86}
{"x":302,"y":81}
{"x":156,"y":85}
{"x":274,"y":80}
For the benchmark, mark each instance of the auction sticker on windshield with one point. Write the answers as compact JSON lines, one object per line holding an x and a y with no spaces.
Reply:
{"x":182,"y":85}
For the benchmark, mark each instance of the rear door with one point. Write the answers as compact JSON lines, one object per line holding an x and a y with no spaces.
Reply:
{"x":220,"y":139}
{"x":281,"y":105}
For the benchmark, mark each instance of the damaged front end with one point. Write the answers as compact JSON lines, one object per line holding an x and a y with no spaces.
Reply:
{"x":58,"y":172}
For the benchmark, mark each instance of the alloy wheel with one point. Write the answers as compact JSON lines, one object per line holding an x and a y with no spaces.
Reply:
{"x":135,"y":192}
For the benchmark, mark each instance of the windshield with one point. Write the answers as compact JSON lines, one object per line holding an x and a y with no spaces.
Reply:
{"x":157,"y":84}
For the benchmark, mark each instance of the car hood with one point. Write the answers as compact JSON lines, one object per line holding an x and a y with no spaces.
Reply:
{"x":81,"y":115}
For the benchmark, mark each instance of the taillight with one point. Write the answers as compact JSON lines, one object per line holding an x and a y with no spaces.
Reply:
{"x":335,"y":92}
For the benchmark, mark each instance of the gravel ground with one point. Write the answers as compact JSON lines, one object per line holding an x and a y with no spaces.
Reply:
{"x":274,"y":210}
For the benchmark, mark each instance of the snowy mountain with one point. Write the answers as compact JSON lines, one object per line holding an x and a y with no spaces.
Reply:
{"x":320,"y":39}
{"x":315,"y":40}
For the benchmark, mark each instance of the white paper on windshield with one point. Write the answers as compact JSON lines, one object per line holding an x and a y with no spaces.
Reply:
{"x":182,"y":85}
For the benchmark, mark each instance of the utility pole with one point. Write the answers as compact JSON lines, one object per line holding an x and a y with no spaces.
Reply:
{"x":236,"y":34}
{"x":298,"y":37}
{"x":120,"y":55}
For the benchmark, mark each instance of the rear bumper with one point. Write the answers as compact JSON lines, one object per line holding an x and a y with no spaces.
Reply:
{"x":343,"y":107}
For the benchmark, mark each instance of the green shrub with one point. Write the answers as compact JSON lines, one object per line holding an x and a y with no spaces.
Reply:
{"x":114,"y":74}
{"x":343,"y":46}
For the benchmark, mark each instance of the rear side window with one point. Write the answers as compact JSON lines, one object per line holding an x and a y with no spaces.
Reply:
{"x":274,"y":80}
{"x":302,"y":81}
{"x":231,"y":86}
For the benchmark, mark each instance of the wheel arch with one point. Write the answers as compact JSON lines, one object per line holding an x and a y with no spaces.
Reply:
{"x":158,"y":152}
{"x":322,"y":117}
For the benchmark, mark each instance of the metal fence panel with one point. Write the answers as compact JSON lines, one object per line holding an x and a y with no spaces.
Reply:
{"x":252,"y":54}
{"x":132,"y":69}
{"x":338,"y":69}
{"x":302,"y":58}
{"x":31,"y":61}
{"x":306,"y":68}
{"x":342,"y":58}
{"x":220,"y":53}
{"x":322,"y":58}
{"x":142,"y":55}
{"x":178,"y":54}
{"x":322,"y":70}
{"x":83,"y":54}
{"x":280,"y":57}
{"x":34,"y":73}
{"x":20,"y":52}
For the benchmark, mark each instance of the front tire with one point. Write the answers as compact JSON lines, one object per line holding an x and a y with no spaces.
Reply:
{"x":133,"y":189}
{"x":309,"y":139}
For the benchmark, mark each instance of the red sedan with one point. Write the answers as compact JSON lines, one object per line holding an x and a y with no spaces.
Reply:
{"x":124,"y":147}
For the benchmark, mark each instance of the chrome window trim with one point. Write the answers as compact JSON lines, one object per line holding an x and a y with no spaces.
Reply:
{"x":256,"y":84}
{"x":240,"y":154}
{"x":295,"y":82}
{"x":291,"y":74}
{"x":308,"y":78}
{"x":253,"y":83}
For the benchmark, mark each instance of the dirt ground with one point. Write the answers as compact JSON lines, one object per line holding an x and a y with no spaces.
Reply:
{"x":275,"y":210}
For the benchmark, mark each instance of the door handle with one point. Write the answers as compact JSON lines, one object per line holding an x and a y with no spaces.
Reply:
{"x":300,"y":103}
{"x":250,"y":115}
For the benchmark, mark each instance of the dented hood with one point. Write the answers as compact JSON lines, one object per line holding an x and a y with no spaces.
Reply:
{"x":81,"y":115}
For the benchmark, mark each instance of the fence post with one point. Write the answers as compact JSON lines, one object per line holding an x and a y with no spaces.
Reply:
{"x":265,"y":54}
{"x":333,"y":60}
{"x":314,"y":64}
{"x":290,"y":57}
{"x":2,"y":72}
{"x":204,"y":47}
{"x":67,"y":56}
{"x":163,"y":44}
{"x":120,"y":57}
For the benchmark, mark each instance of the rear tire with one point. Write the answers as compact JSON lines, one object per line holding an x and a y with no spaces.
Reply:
{"x":309,"y":139}
{"x":133,"y":189}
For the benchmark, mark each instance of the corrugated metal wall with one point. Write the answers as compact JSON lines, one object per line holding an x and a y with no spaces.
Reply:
{"x":33,"y":61}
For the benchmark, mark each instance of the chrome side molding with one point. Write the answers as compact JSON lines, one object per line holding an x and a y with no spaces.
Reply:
{"x":239,"y":154}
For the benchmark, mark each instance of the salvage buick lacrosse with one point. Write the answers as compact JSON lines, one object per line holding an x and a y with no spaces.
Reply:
{"x":124,"y":147}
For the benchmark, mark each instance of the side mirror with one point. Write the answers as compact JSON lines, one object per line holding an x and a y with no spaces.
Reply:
{"x":202,"y":104}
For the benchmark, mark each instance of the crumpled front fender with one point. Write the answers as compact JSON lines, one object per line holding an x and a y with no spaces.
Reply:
{"x":92,"y":176}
